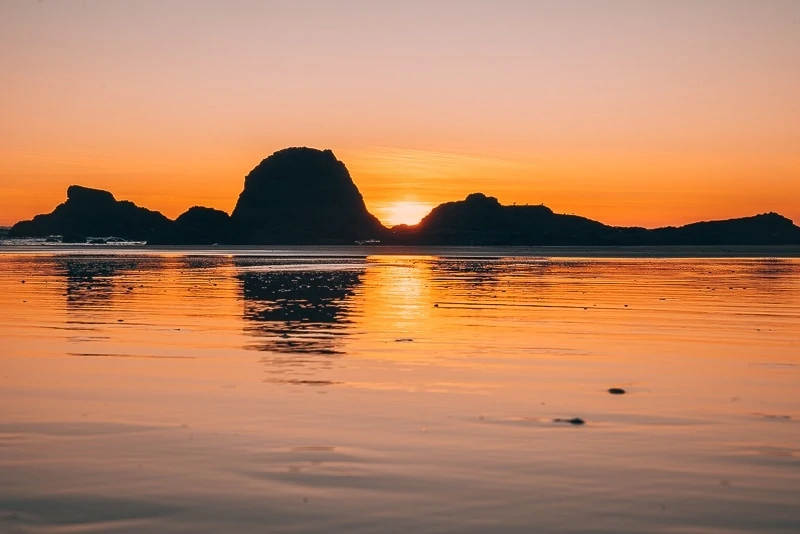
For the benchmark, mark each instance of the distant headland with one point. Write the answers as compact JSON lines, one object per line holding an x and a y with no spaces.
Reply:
{"x":304,"y":196}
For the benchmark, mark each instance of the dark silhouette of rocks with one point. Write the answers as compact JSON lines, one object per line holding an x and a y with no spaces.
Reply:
{"x":304,"y":196}
{"x":616,"y":391}
{"x":4,"y":231}
{"x":93,"y":212}
{"x":197,"y":226}
{"x":480,"y":220}
{"x":764,"y":229}
{"x":299,"y":196}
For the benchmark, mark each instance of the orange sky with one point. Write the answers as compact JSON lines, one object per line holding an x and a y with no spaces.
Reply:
{"x":641,"y":113}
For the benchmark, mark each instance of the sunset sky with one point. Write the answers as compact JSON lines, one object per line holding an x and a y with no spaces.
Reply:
{"x":630,"y":112}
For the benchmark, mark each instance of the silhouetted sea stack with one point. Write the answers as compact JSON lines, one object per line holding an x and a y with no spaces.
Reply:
{"x":93,"y":212}
{"x":302,"y":196}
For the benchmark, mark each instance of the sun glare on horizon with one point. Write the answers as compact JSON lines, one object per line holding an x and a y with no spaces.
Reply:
{"x":404,"y":212}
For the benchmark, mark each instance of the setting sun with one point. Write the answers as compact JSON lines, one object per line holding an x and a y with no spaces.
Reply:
{"x":404,"y":212}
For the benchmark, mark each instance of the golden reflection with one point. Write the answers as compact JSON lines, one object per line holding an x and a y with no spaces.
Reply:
{"x":406,"y":373}
{"x":399,"y":288}
{"x":329,"y":321}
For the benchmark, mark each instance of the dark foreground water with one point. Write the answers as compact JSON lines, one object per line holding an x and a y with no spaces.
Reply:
{"x":173,"y":392}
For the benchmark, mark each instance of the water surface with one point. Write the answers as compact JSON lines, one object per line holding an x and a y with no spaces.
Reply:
{"x":189,"y":392}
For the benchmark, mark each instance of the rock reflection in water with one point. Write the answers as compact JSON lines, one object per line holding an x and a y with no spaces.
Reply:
{"x":299,"y":317}
{"x":90,"y":281}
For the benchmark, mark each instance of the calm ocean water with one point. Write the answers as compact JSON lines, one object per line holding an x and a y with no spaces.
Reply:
{"x":188,"y":392}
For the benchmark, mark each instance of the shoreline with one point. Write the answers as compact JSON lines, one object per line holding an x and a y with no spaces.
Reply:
{"x":666,"y":252}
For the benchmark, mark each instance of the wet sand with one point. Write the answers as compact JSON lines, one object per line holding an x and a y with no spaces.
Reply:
{"x":336,"y":390}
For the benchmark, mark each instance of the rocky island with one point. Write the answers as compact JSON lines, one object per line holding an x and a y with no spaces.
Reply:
{"x":479,"y":220}
{"x":93,"y":212}
{"x":305,"y":196}
{"x":302,"y":196}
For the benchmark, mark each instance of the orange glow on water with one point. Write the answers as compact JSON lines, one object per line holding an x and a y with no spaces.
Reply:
{"x":399,"y":378}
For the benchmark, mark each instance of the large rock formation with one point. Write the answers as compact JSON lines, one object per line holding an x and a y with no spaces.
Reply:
{"x":302,"y":196}
{"x":481,"y":220}
{"x":93,"y":212}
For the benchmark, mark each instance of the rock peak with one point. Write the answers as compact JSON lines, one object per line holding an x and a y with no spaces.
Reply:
{"x":302,"y":194}
{"x":475,"y":198}
{"x":79,"y":193}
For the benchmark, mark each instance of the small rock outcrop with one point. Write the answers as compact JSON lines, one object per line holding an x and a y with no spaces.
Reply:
{"x":763,"y":229}
{"x":576,"y":421}
{"x":196,"y":226}
{"x":93,"y":212}
{"x":302,"y":196}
